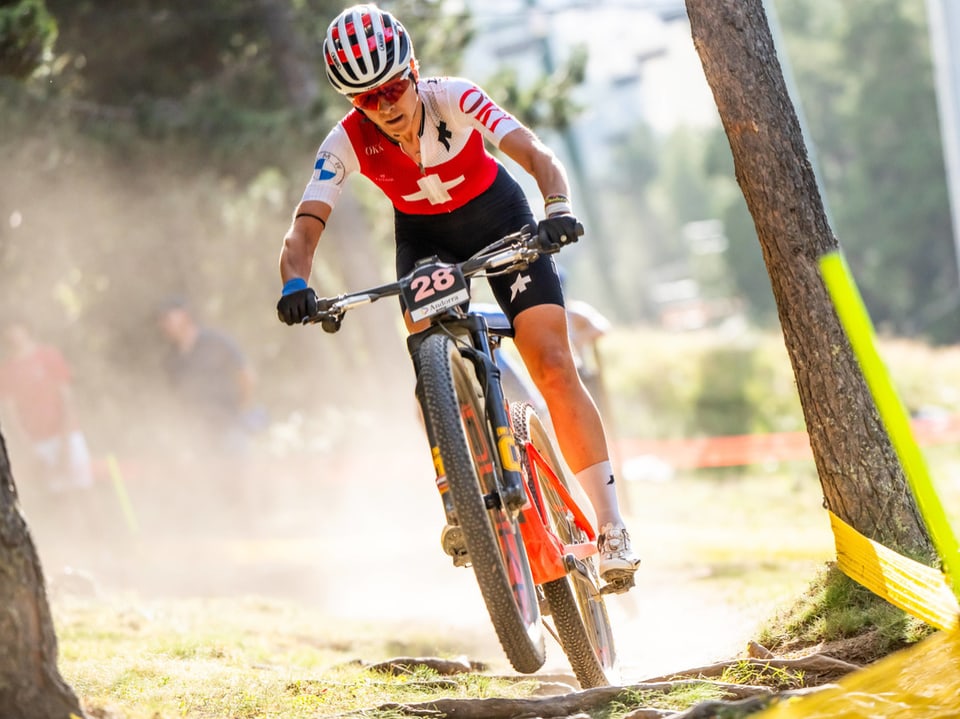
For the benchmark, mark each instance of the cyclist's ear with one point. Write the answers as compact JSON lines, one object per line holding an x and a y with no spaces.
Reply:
{"x":415,"y":69}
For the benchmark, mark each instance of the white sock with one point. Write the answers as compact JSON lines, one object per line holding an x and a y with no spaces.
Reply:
{"x":601,"y":489}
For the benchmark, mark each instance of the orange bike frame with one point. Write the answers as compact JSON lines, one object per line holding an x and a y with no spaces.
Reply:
{"x":544,"y":548}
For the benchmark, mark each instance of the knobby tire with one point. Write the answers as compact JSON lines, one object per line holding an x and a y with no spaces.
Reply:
{"x":455,"y":410}
{"x":580,"y":619}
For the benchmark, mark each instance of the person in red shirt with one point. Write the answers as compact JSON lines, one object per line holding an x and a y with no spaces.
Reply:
{"x":423,"y":142}
{"x":35,"y":383}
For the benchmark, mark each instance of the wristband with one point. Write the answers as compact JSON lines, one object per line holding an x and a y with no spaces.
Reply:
{"x":322,"y":222}
{"x":557,"y":208}
{"x":294,"y":284}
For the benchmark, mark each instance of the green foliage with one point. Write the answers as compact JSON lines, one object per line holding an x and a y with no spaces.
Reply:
{"x":546,"y":102}
{"x":27,"y":31}
{"x":708,"y":383}
{"x":439,"y":30}
{"x":700,"y":384}
{"x":866,"y":87}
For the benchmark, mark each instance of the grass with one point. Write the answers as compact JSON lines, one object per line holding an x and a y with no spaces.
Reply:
{"x":834,"y":608}
{"x":238,"y":658}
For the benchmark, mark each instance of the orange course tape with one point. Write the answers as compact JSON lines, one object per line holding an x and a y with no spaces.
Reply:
{"x":746,"y":449}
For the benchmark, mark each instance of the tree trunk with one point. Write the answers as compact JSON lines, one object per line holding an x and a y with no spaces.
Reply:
{"x":862,"y":480}
{"x":30,"y":683}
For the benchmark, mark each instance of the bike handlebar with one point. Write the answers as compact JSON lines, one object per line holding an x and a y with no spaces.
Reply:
{"x":508,"y":254}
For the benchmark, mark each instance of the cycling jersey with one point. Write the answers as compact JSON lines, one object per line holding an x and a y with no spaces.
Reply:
{"x":454,"y":168}
{"x":457,"y":199}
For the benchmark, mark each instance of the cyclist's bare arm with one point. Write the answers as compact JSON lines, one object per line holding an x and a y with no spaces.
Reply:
{"x":526,"y":149}
{"x":302,"y":238}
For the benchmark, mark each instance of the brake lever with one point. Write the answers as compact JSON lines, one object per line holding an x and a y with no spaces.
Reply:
{"x":331,"y":323}
{"x":328,"y":315}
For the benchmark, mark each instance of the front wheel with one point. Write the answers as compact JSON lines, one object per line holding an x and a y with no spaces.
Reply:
{"x":576,"y":605}
{"x":455,"y":409}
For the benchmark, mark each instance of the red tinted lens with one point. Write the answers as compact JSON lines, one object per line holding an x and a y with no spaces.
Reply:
{"x":391,"y":92}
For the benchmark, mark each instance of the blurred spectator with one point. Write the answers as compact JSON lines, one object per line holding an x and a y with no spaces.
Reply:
{"x":213,"y":386}
{"x":35,"y":383}
{"x":586,"y":326}
{"x":35,"y":388}
{"x":211,"y":378}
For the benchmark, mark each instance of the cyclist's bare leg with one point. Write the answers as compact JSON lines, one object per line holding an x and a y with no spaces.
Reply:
{"x":541,"y":338}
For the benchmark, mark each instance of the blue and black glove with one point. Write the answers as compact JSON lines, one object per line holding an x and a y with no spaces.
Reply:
{"x":297,"y":302}
{"x":557,"y":231}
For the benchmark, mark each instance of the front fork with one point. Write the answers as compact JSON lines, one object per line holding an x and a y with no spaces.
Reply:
{"x":511,"y":493}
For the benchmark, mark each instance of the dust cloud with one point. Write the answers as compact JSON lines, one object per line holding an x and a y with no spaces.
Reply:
{"x":331,"y":500}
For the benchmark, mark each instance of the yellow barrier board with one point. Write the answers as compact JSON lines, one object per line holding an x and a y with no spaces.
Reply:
{"x":919,"y":590}
{"x":922,"y":682}
{"x":856,"y":322}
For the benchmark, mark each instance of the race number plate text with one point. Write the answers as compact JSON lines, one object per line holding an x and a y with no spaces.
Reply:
{"x":433,"y":288}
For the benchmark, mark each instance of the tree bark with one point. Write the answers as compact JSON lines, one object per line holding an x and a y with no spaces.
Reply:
{"x":862,"y":480}
{"x":30,"y":683}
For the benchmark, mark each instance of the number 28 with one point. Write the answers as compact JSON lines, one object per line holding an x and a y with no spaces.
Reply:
{"x":440,"y":280}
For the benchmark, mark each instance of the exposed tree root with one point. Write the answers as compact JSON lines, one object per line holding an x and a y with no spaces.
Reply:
{"x":816,"y":668}
{"x":740,"y":700}
{"x":731,"y":710}
{"x":565,"y":706}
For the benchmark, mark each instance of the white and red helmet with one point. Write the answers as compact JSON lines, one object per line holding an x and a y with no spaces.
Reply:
{"x":365,"y":46}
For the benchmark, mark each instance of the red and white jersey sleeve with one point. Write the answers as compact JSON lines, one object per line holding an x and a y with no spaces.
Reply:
{"x":455,"y":166}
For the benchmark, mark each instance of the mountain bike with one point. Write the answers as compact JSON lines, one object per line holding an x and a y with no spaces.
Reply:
{"x":505,"y":491}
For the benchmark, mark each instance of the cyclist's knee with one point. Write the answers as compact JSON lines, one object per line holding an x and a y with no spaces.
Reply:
{"x":555,"y":373}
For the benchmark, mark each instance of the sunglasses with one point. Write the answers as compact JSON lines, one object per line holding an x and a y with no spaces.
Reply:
{"x":391,"y":91}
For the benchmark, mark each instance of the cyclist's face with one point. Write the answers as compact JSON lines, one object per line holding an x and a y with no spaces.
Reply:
{"x":393,"y":109}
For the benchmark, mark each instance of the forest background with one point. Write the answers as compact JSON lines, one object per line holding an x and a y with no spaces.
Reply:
{"x":161,"y":148}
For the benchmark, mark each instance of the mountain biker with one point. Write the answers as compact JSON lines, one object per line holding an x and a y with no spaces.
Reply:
{"x":421,"y":141}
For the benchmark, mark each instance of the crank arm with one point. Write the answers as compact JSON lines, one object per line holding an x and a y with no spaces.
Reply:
{"x":578,"y":570}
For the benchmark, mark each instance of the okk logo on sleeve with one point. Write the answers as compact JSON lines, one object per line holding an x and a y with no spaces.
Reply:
{"x":328,"y":168}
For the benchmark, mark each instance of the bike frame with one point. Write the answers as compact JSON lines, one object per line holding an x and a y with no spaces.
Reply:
{"x":545,"y":550}
{"x":479,"y":351}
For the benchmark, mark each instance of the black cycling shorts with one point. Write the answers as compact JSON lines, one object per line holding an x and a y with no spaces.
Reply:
{"x":455,"y":236}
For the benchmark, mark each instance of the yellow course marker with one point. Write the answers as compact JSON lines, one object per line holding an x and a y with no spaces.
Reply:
{"x":856,"y":322}
{"x":919,"y":590}
{"x":113,"y":468}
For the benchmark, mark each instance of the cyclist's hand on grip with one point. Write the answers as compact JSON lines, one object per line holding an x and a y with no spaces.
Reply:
{"x":297,"y":302}
{"x":557,"y":231}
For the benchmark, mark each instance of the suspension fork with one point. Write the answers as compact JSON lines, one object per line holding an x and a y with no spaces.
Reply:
{"x":512,"y":492}
{"x":413,"y":345}
{"x":479,"y":352}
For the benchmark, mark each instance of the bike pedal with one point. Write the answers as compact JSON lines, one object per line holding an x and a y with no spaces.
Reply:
{"x":619,"y":584}
{"x":451,"y":539}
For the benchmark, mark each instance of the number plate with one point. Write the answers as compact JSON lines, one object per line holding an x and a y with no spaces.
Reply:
{"x":433,"y":288}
